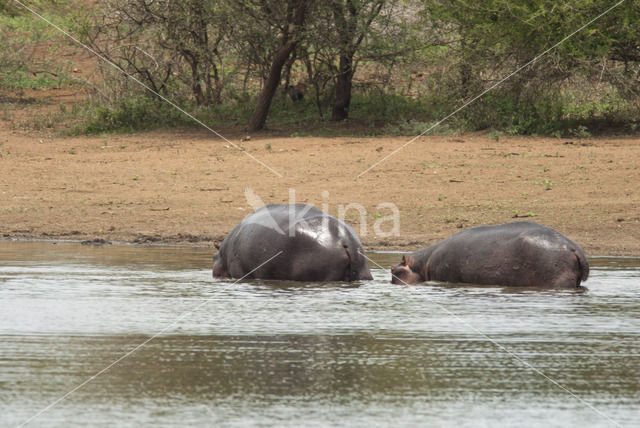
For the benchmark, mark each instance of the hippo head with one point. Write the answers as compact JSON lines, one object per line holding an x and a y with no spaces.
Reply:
{"x":403,"y":273}
{"x":219,"y":269}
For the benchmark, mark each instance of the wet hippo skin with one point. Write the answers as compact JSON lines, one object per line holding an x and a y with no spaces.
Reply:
{"x":314,"y":246}
{"x":520,"y":253}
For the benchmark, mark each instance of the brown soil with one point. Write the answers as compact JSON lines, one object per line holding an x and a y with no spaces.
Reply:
{"x":189,"y":186}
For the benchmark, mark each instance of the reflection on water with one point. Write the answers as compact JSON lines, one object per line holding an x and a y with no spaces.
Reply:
{"x":290,"y":354}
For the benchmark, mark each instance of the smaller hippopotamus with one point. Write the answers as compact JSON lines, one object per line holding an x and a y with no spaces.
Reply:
{"x":294,"y":242}
{"x":520,"y":253}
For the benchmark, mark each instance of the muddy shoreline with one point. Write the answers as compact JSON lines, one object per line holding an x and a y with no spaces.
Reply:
{"x":207,"y":243}
{"x":189,"y":188}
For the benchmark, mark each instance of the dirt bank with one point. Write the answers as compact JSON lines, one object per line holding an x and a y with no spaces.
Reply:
{"x":190,"y":186}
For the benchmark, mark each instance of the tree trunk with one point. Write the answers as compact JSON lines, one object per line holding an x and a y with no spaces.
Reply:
{"x":196,"y":87}
{"x":465,"y":70}
{"x":346,"y":15}
{"x":343,"y":89}
{"x":270,"y":86}
{"x":287,"y":69}
{"x":289,"y":42}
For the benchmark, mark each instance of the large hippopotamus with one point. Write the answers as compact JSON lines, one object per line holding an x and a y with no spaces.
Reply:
{"x":314,"y":246}
{"x":520,"y":253}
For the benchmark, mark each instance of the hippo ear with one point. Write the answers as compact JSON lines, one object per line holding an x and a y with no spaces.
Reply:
{"x":216,"y":244}
{"x":407,"y":261}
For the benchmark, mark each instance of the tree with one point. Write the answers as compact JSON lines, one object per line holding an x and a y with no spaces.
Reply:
{"x":197,"y":29}
{"x":156,"y":41}
{"x":352,"y":19}
{"x":347,"y":33}
{"x":287,"y":18}
{"x":490,"y":39}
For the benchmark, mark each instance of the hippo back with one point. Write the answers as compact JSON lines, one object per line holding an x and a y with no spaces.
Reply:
{"x":307,"y":245}
{"x":517,"y":253}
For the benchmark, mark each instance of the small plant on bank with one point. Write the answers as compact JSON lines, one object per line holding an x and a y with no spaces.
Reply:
{"x":580,"y":131}
{"x":495,"y":135}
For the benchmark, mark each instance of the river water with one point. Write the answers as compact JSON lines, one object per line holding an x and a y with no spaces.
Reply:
{"x":143,"y":336}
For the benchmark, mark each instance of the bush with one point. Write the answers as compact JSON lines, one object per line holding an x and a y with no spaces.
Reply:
{"x":132,"y":114}
{"x":30,"y":54}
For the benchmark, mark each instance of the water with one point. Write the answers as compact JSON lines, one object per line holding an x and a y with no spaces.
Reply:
{"x":264,"y":353}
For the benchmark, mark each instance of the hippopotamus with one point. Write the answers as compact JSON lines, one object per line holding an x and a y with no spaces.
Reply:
{"x":306,"y":245}
{"x":519,"y":253}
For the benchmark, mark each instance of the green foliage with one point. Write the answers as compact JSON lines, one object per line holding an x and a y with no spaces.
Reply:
{"x":377,"y":108}
{"x":29,"y":55}
{"x":8,"y":8}
{"x":22,"y":78}
{"x":130,"y":114}
{"x":493,"y":38}
{"x":413,"y":62}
